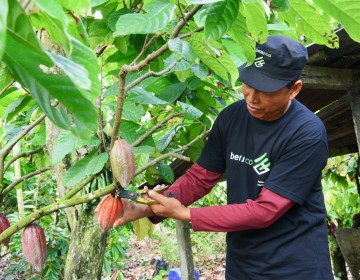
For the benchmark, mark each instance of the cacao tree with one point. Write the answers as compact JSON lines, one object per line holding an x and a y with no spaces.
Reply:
{"x":77,"y":76}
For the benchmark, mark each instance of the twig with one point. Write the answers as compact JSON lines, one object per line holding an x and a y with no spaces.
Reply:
{"x":24,"y":154}
{"x":149,"y":74}
{"x":7,"y":148}
{"x":191,"y":32}
{"x":160,"y":158}
{"x":154,"y":128}
{"x":78,"y":187}
{"x":146,"y":46}
{"x":163,"y":48}
{"x":182,"y":23}
{"x":181,"y":12}
{"x":23,"y":178}
{"x":7,"y":86}
{"x":119,"y":107}
{"x":174,"y":153}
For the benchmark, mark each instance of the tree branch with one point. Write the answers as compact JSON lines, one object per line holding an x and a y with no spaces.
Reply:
{"x":119,"y":107}
{"x":24,"y":154}
{"x":7,"y":86}
{"x":7,"y":148}
{"x":163,"y":48}
{"x":21,"y":179}
{"x":78,"y":187}
{"x":63,"y":203}
{"x":154,"y":128}
{"x":149,"y":74}
{"x":174,"y":153}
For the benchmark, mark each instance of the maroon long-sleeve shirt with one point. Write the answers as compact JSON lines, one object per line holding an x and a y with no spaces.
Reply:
{"x":254,"y":214}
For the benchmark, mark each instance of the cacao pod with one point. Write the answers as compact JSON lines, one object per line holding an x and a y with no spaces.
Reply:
{"x":4,"y":224}
{"x":34,"y":246}
{"x":108,"y":211}
{"x":122,"y":162}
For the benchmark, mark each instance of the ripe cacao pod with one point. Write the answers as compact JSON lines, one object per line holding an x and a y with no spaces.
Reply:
{"x":4,"y":224}
{"x":108,"y":211}
{"x":122,"y":162}
{"x":34,"y":246}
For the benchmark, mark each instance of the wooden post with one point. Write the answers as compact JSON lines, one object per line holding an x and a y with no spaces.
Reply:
{"x":185,"y":252}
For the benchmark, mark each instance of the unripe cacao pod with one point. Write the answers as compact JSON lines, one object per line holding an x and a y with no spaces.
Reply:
{"x":4,"y":224}
{"x":34,"y":246}
{"x":108,"y":211}
{"x":122,"y":162}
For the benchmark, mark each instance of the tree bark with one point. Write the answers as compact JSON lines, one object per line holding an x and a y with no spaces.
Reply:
{"x":86,"y":250}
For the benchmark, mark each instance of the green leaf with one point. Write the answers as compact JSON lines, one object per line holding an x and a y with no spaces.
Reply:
{"x":113,"y":17}
{"x":219,"y":19}
{"x":141,"y":96}
{"x":3,"y":19}
{"x":133,"y":111}
{"x":87,"y":166}
{"x":96,"y":164}
{"x":255,"y":19}
{"x":165,"y":140}
{"x":25,"y":65}
{"x":190,"y":112}
{"x":312,"y":23}
{"x":142,"y":227}
{"x":16,"y":107}
{"x":87,"y":58}
{"x":280,"y":5}
{"x":159,"y":13}
{"x":182,"y":48}
{"x":204,"y":2}
{"x":18,"y":23}
{"x":5,"y":77}
{"x":74,"y":71}
{"x":144,"y":150}
{"x":234,"y":51}
{"x":216,"y":59}
{"x":239,"y":32}
{"x":78,"y":6}
{"x":67,"y":143}
{"x":130,"y":131}
{"x":166,"y":172}
{"x":173,"y":92}
{"x":347,"y":12}
{"x":55,"y":21}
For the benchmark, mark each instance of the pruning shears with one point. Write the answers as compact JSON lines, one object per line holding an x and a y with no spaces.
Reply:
{"x":138,"y":195}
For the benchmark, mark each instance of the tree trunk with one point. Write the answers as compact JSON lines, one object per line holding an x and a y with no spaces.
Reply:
{"x":86,"y":250}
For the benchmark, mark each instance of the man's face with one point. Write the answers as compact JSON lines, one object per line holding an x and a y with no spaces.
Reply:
{"x":269,"y":106}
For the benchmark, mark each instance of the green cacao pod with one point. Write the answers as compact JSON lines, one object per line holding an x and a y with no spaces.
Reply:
{"x":122,"y":162}
{"x":4,"y":224}
{"x":34,"y":246}
{"x":108,"y":211}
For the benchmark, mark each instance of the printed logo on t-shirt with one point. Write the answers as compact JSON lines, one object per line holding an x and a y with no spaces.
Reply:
{"x":261,"y":166}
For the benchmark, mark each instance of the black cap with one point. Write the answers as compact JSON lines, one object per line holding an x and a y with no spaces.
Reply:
{"x":279,"y":61}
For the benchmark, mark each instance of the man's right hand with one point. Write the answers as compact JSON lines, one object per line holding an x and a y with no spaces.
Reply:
{"x":132,"y":212}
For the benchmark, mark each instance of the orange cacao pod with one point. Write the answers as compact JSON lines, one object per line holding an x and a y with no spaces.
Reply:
{"x":34,"y":246}
{"x":122,"y":162}
{"x":4,"y":224}
{"x":108,"y":211}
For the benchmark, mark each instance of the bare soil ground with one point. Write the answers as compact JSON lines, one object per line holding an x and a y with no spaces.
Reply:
{"x":143,"y":255}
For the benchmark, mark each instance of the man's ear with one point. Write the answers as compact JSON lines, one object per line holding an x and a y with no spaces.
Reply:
{"x":296,"y":89}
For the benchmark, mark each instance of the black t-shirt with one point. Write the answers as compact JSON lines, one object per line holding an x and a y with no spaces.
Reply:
{"x":286,"y":156}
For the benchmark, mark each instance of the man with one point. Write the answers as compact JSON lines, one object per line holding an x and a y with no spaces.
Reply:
{"x":273,"y":150}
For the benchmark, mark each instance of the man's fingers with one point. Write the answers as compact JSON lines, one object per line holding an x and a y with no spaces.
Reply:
{"x":156,"y":196}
